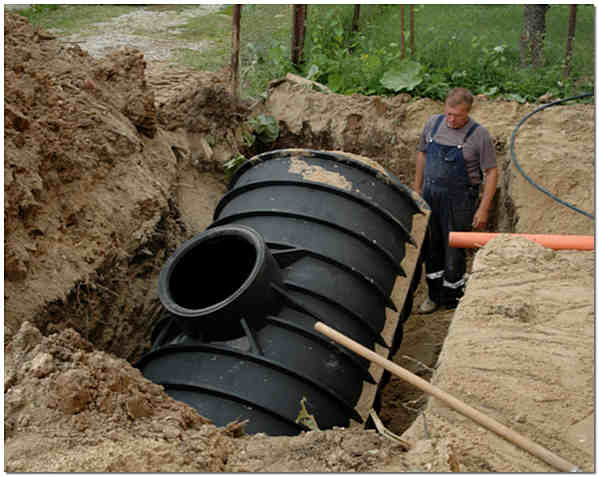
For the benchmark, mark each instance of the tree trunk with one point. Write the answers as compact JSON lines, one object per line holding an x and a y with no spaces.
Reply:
{"x":570,"y":41}
{"x":235,"y":51}
{"x":533,"y":35}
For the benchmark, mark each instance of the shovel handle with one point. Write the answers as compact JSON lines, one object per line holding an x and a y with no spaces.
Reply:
{"x":459,"y":406}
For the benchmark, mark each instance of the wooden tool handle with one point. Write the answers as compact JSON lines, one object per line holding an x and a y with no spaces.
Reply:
{"x":459,"y":406}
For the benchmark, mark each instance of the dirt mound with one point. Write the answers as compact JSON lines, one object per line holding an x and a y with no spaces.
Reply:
{"x":92,"y":177}
{"x":385,"y":127}
{"x":87,"y":186}
{"x":71,"y":408}
{"x":205,"y":120}
{"x":95,"y":413}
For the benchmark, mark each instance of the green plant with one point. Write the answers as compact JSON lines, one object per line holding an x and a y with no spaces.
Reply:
{"x":232,"y":164}
{"x":265,"y":128}
{"x":406,"y":76}
{"x":40,"y":9}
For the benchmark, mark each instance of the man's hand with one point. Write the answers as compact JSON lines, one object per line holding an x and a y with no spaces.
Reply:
{"x":419,"y":175}
{"x":481,"y":217}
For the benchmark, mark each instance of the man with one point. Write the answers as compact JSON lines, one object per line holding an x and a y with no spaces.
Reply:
{"x":452,"y":153}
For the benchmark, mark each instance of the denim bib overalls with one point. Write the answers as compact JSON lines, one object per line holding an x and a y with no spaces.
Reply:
{"x":452,"y":200}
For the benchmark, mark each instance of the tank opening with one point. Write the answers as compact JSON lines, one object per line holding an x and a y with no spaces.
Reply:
{"x":212,"y":271}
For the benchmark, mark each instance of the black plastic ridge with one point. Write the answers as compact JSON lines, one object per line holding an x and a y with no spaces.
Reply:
{"x":281,"y":213}
{"x":304,"y":309}
{"x":285,"y":153}
{"x":321,"y":339}
{"x":248,"y":332}
{"x":286,"y":257}
{"x":162,"y":327}
{"x":256,"y":359}
{"x":372,"y":205}
{"x":280,"y":248}
{"x":376,"y":334}
{"x":234,"y":397}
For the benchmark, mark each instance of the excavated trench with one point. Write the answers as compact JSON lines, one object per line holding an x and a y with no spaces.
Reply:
{"x":89,"y":229}
{"x":107,"y":291}
{"x":130,"y":337}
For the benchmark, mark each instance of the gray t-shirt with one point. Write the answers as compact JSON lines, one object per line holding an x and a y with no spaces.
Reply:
{"x":479,"y":153}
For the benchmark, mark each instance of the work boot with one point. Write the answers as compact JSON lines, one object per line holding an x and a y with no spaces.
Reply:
{"x":428,"y":306}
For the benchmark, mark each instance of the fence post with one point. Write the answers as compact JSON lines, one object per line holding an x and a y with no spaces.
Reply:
{"x":297,"y":34}
{"x":412,"y":41}
{"x":570,"y":41}
{"x":235,"y":51}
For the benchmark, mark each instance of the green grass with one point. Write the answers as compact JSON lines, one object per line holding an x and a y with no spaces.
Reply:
{"x":72,"y":18}
{"x":264,"y":39}
{"x":476,"y":46}
{"x":215,"y":28}
{"x":501,"y":24}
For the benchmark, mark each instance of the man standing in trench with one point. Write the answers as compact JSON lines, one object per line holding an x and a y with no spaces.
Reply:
{"x":453,"y":154}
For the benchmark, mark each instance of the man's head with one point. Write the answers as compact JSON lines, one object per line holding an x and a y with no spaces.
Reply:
{"x":457,"y":107}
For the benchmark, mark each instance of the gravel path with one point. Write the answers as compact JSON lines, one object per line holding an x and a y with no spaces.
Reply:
{"x":156,"y":33}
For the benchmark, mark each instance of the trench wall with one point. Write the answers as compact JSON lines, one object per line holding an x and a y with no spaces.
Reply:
{"x":520,"y":349}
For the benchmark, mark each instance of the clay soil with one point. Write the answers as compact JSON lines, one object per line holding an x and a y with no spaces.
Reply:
{"x":111,"y":160}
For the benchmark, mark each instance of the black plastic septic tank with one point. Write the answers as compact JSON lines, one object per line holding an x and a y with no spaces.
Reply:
{"x":301,"y":236}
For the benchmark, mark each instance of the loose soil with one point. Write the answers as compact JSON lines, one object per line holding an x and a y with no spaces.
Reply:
{"x":113,"y":160}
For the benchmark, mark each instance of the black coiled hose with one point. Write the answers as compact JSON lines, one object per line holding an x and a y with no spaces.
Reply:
{"x":533,"y":183}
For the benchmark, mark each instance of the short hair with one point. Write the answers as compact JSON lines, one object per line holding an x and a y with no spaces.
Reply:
{"x":460,"y":96}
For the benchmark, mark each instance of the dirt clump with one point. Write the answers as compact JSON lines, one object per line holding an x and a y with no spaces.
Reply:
{"x":205,"y":120}
{"x":318,"y":174}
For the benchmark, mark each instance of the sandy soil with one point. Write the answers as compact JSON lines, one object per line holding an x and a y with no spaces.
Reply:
{"x":112,"y":162}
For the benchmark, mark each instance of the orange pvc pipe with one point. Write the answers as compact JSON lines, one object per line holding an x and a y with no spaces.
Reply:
{"x":556,"y":242}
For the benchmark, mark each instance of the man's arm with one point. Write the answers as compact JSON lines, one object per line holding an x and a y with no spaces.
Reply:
{"x":481,"y":216}
{"x":419,"y":179}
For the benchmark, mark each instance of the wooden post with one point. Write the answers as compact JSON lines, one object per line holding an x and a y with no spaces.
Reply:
{"x":403,"y":40}
{"x":302,"y":30}
{"x":235,"y":51}
{"x":570,"y":41}
{"x":412,"y":41}
{"x":297,"y":34}
{"x":355,"y":24}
